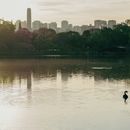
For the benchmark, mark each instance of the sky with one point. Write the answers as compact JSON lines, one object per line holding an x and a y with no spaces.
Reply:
{"x":77,"y":12}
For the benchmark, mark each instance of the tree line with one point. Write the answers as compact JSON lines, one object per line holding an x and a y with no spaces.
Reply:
{"x":94,"y":42}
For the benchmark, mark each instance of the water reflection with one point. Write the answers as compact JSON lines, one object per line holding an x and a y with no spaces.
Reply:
{"x":54,"y":75}
{"x":59,"y":94}
{"x":41,"y":69}
{"x":29,"y":81}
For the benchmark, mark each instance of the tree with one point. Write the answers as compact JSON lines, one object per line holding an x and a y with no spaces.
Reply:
{"x":6,"y":35}
{"x":69,"y":42}
{"x":43,"y":39}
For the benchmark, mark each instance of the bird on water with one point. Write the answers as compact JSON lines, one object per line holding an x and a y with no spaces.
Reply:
{"x":125,"y":96}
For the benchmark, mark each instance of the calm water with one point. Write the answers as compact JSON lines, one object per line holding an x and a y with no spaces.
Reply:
{"x":67,"y":94}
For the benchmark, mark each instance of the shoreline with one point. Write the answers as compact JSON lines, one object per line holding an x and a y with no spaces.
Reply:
{"x":63,"y":56}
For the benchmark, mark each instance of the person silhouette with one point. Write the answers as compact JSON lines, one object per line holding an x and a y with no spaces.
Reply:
{"x":125,"y":96}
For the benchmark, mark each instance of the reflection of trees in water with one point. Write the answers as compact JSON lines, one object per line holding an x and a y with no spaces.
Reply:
{"x":116,"y":73}
{"x":6,"y":77}
{"x":47,"y":68}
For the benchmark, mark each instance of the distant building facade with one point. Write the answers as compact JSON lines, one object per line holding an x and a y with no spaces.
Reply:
{"x":24,"y":24}
{"x":70,"y":27}
{"x":99,"y":24}
{"x":64,"y":25}
{"x":44,"y":25}
{"x":77,"y":29}
{"x":53,"y":26}
{"x":84,"y":28}
{"x":111,"y":23}
{"x":18,"y":23}
{"x":127,"y":22}
{"x":36,"y":25}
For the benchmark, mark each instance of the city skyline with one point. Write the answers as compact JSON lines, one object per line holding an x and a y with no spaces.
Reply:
{"x":65,"y":25}
{"x":84,"y":11}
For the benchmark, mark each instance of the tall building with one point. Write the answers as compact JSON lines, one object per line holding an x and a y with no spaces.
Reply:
{"x":29,"y":19}
{"x":111,"y":23}
{"x":64,"y":25}
{"x":99,"y":24}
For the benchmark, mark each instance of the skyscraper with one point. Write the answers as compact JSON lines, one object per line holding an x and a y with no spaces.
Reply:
{"x":64,"y":25}
{"x":29,"y":19}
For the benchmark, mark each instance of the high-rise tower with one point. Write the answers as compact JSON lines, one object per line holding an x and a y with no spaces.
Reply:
{"x":29,"y":19}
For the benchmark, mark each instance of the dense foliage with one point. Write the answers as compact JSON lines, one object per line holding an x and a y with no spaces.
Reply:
{"x":95,"y":42}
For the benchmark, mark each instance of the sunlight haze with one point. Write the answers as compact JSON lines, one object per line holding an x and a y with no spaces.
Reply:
{"x":75,"y":11}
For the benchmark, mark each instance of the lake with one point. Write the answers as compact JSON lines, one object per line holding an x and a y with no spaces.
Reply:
{"x":64,"y":94}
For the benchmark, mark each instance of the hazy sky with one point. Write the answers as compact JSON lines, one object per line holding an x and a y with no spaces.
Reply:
{"x":76,"y":11}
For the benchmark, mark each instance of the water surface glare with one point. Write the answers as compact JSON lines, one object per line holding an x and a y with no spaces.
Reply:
{"x":64,"y":94}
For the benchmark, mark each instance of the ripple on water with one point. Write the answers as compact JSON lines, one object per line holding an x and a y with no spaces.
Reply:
{"x":14,"y":97}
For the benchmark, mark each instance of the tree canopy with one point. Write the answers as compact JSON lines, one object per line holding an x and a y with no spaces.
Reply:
{"x":45,"y":41}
